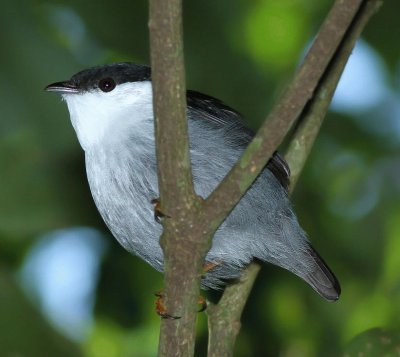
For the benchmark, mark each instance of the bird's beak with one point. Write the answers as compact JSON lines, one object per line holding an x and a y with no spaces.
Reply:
{"x":65,"y":87}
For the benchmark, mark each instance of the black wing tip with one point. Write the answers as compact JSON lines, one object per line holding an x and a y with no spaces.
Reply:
{"x":331,"y":292}
{"x":337,"y":288}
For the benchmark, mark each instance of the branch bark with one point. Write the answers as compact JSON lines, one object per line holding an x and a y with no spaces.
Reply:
{"x":283,"y":115}
{"x":184,"y":247}
{"x":224,"y":318}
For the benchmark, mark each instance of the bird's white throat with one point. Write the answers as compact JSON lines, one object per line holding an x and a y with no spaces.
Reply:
{"x":100,"y":117}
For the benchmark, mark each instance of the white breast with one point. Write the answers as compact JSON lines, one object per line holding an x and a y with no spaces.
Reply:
{"x":99,"y":117}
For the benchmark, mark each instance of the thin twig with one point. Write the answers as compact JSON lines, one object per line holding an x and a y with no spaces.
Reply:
{"x":224,"y":318}
{"x":283,"y":115}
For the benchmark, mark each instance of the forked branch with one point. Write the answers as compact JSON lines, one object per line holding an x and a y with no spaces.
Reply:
{"x":188,"y":233}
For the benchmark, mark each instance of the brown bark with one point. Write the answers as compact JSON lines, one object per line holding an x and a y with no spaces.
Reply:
{"x":184,"y":247}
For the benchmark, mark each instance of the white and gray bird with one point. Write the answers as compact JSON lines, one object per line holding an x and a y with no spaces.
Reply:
{"x":111,"y":109}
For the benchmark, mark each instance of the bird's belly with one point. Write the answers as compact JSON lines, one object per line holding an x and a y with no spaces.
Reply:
{"x":125,"y":206}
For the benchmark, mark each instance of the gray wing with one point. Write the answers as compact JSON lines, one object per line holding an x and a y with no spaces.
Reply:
{"x":218,"y":114}
{"x":212,"y":112}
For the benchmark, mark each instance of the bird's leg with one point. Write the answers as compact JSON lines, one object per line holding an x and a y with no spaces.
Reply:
{"x":207,"y":266}
{"x":158,"y":215}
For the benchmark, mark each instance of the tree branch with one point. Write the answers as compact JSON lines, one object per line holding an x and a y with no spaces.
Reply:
{"x":312,"y":117}
{"x":224,"y":318}
{"x":169,"y":98}
{"x":184,"y":247}
{"x":283,"y":115}
{"x":187,"y":234}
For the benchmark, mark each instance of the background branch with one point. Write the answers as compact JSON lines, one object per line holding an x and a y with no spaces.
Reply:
{"x":284,"y":114}
{"x":224,"y":318}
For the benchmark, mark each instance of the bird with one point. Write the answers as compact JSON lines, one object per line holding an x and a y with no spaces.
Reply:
{"x":111,"y":110}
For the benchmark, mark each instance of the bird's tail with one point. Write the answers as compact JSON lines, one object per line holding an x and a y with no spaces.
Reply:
{"x":321,"y":278}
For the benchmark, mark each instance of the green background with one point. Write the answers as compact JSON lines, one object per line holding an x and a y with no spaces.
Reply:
{"x":242,"y":52}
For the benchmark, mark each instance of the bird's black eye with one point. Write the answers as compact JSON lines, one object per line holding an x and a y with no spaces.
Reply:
{"x":107,"y":84}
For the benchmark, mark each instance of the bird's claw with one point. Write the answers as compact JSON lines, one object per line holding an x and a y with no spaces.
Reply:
{"x":161,"y":309}
{"x":158,"y":215}
{"x":203,"y":303}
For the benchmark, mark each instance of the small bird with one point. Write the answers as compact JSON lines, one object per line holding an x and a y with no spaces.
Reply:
{"x":111,"y":110}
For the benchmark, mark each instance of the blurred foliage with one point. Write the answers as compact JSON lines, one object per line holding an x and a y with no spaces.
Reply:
{"x":242,"y":52}
{"x":374,"y":342}
{"x":23,"y":331}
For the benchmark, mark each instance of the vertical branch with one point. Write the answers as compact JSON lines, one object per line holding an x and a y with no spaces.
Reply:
{"x":169,"y":98}
{"x":224,"y":318}
{"x":184,"y":247}
{"x":177,"y":197}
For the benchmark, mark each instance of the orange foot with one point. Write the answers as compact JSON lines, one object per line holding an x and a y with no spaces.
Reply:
{"x":162,"y":311}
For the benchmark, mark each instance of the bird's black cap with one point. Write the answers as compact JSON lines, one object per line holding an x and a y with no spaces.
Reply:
{"x":88,"y":79}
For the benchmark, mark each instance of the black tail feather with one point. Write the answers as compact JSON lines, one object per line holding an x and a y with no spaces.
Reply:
{"x":321,"y":279}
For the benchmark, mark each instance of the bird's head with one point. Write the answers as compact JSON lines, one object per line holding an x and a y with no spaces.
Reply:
{"x":108,"y":101}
